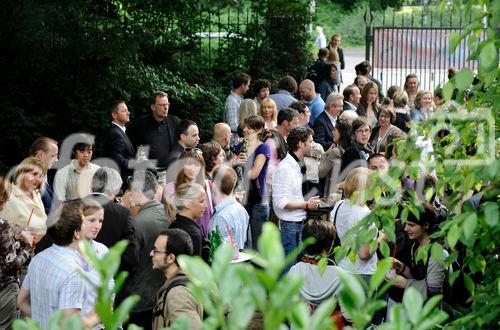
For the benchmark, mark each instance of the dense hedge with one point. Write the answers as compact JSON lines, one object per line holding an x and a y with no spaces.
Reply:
{"x":64,"y":62}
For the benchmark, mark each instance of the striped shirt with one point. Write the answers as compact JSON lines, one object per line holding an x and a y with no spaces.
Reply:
{"x":54,"y":282}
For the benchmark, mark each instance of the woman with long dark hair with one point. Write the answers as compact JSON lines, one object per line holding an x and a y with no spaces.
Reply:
{"x":331,"y":161}
{"x":369,"y":104}
{"x":256,"y":173}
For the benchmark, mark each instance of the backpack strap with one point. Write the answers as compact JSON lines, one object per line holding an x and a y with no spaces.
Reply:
{"x":335,"y":215}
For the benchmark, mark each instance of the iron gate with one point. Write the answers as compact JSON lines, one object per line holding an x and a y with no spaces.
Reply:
{"x":416,"y":41}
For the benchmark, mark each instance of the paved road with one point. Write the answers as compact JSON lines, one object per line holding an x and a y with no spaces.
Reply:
{"x":352,"y":57}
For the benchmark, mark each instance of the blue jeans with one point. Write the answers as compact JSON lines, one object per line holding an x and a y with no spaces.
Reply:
{"x":291,"y":236}
{"x":259,"y":215}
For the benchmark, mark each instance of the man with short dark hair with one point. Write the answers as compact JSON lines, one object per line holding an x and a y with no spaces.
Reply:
{"x":378,"y":162}
{"x":287,"y":86}
{"x":54,"y":281}
{"x":261,"y":89}
{"x":73,"y":180}
{"x":174,"y":299}
{"x":241,"y":83}
{"x":46,"y":150}
{"x":318,"y":68}
{"x":304,"y":112}
{"x":228,"y":211}
{"x":156,"y":130}
{"x":117,"y":145}
{"x":148,"y":223}
{"x":364,"y":69}
{"x":188,"y":136}
{"x":289,"y":196}
{"x":352,"y":96}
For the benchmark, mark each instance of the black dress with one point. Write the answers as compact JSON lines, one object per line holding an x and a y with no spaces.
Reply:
{"x":201,"y":246}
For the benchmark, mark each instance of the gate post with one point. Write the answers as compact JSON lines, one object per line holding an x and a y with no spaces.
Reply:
{"x":368,"y":17}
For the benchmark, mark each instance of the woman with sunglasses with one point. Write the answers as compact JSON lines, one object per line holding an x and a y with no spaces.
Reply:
{"x":360,"y":148}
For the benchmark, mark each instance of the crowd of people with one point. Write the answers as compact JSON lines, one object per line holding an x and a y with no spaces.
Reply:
{"x":284,"y":157}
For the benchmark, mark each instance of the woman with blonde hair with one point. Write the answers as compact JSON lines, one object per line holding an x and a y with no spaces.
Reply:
{"x":24,"y":209}
{"x":423,"y":106}
{"x":15,"y":251}
{"x":347,"y":214}
{"x":190,"y":202}
{"x":248,"y":107}
{"x":269,"y":112}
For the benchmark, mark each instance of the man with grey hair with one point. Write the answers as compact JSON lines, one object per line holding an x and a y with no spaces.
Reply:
{"x":148,"y":223}
{"x":324,"y":124}
{"x":117,"y":224}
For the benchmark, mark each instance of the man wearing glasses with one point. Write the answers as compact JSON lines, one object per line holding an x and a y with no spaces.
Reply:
{"x":174,"y":299}
{"x":156,"y":130}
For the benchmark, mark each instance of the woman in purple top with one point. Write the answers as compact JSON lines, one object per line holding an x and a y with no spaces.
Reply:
{"x":256,"y":172}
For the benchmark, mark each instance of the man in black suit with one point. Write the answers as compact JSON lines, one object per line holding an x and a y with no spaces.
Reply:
{"x":156,"y":130}
{"x":352,"y":96}
{"x":117,"y":145}
{"x":324,"y":124}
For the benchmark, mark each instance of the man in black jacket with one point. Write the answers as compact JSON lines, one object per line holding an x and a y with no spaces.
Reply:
{"x":117,"y":145}
{"x":156,"y":130}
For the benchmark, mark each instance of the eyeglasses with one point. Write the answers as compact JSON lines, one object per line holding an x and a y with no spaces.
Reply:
{"x":155,"y":251}
{"x":364,"y":131}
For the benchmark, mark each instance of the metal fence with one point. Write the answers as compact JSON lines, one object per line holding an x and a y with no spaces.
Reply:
{"x":417,"y":41}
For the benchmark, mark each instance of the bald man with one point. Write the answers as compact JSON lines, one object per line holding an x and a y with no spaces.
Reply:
{"x":314,"y":101}
{"x":222,"y":136}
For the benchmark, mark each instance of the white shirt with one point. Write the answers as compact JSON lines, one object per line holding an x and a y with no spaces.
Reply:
{"x":120,"y":126}
{"x":348,"y":216}
{"x":287,"y":187}
{"x":332,"y":118}
{"x":69,"y":183}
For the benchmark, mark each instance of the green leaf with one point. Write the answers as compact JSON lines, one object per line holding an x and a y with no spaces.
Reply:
{"x":384,"y":248}
{"x":412,"y":300}
{"x":463,"y":78}
{"x":469,"y":226}
{"x":448,"y":90}
{"x":469,"y":283}
{"x":321,"y":318}
{"x":383,"y":267}
{"x":437,"y":252}
{"x":488,"y":58}
{"x":430,"y":305}
{"x":453,"y":235}
{"x":491,"y":214}
{"x":122,"y":313}
{"x":352,"y":293}
{"x":322,"y":263}
{"x":455,"y":40}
